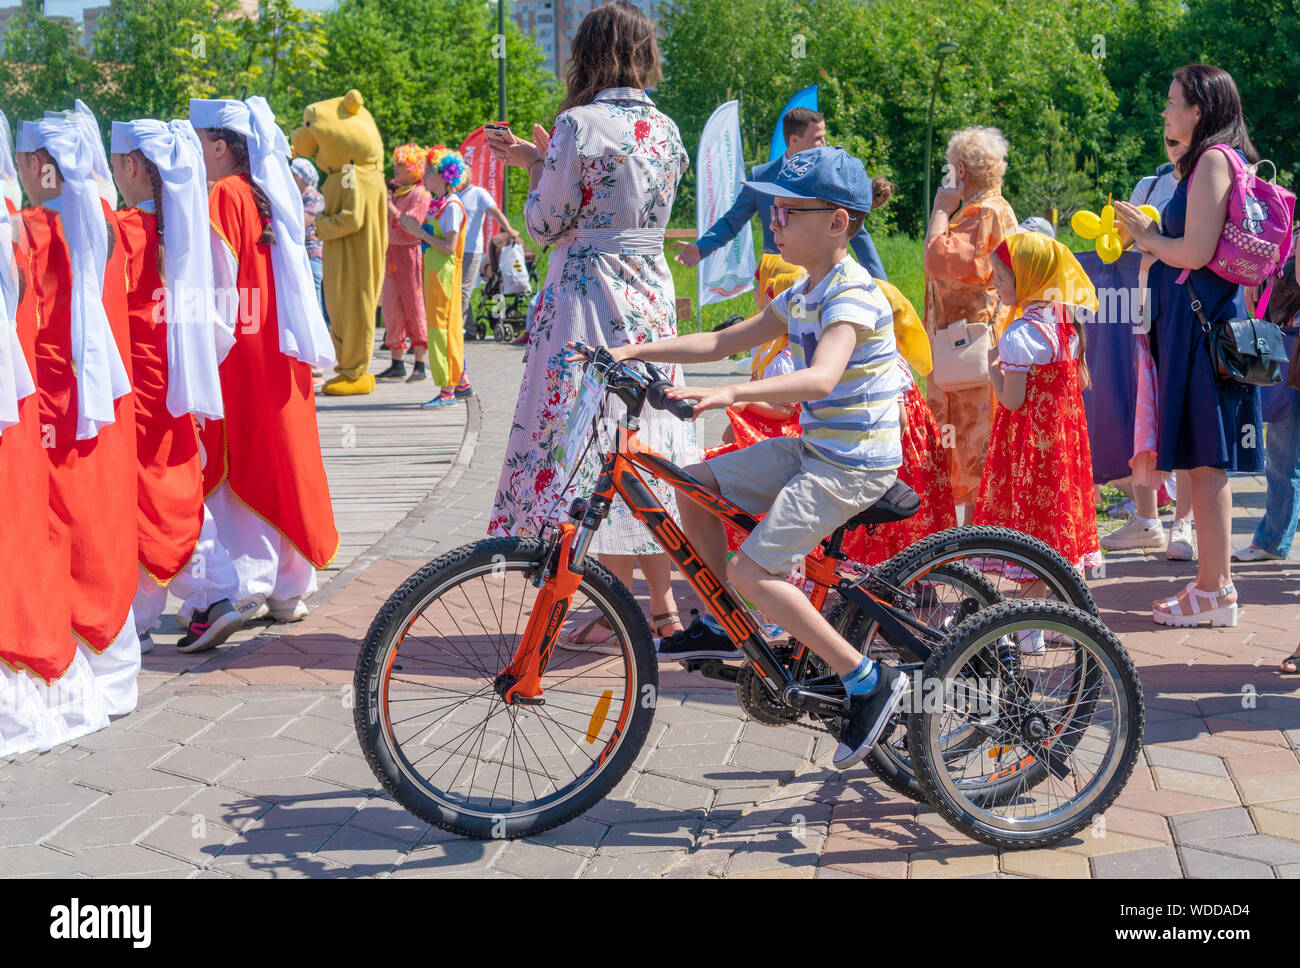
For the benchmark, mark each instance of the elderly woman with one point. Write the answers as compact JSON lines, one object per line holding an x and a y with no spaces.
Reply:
{"x":969,"y":220}
{"x":602,"y":186}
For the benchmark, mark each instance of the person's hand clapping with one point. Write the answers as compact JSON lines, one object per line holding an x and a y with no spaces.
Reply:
{"x":706,"y":398}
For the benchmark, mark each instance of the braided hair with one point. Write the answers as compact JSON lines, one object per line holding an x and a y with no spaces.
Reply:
{"x":238,"y":146}
{"x":155,"y":183}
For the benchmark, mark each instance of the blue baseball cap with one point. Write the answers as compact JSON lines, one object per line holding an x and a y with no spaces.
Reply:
{"x":826,"y":174}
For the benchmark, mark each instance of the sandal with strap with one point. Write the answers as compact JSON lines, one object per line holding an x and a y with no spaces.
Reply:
{"x":1185,"y":610}
{"x":595,"y":636}
{"x":657,"y":623}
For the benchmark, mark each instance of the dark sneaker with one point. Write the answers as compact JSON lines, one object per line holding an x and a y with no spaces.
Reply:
{"x":465,"y":391}
{"x":702,"y":639}
{"x":868,"y":715}
{"x":417,"y":374}
{"x":395,"y":371}
{"x":210,"y":627}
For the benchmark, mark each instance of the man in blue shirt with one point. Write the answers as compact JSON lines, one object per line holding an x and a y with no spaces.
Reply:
{"x":804,"y":128}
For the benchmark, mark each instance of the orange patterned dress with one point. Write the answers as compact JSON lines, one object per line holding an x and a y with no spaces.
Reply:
{"x":958,"y":285}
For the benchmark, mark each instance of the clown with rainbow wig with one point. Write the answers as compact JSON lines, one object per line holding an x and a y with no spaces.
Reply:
{"x":442,"y":235}
{"x":402,"y":298}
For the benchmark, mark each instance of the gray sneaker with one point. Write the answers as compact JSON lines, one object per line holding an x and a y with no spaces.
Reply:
{"x":1182,"y":542}
{"x":1134,"y":536}
{"x":210,"y":627}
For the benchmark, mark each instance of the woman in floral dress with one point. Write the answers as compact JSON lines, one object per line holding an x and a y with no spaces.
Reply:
{"x":602,"y":185}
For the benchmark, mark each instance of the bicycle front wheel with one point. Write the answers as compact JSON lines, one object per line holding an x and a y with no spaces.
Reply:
{"x":1052,"y":736}
{"x":441,"y":739}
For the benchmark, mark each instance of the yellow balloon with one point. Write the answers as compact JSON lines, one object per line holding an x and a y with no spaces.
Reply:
{"x":1108,"y":218}
{"x":1108,"y":247}
{"x":1150,"y":211}
{"x":1085,"y":224}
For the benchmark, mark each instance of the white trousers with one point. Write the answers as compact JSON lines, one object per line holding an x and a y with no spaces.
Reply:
{"x":208,"y":578}
{"x":115,"y":670}
{"x":266,"y":564}
{"x":34,"y":716}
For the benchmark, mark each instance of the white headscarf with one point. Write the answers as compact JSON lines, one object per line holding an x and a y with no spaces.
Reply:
{"x":101,"y":374}
{"x":196,"y":339}
{"x":303,"y":334}
{"x":102,"y":172}
{"x":15,"y":378}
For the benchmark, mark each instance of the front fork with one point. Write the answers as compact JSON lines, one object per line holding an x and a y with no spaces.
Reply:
{"x":521,"y":680}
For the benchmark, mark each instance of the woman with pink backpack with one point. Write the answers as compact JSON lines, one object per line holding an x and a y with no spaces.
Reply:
{"x":1206,"y":425}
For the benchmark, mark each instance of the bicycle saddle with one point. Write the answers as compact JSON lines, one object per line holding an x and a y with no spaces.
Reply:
{"x":896,"y":504}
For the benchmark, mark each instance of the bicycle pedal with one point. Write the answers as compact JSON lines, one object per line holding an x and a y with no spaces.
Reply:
{"x":530,"y":701}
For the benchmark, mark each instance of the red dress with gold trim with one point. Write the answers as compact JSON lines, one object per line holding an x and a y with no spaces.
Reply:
{"x":170,"y":501}
{"x":267,"y":447}
{"x":1038,"y":477}
{"x":92,"y":482}
{"x":35,"y":587}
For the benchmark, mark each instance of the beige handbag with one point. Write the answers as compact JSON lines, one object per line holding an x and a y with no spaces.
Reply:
{"x":960,"y":352}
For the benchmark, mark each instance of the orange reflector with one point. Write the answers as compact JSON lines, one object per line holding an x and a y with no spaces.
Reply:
{"x":598,"y":715}
{"x":996,"y":751}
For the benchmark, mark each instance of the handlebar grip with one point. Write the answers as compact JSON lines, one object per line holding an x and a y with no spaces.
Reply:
{"x":681,"y":409}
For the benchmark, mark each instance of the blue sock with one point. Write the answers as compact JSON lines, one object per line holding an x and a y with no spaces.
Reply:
{"x":862,"y":679}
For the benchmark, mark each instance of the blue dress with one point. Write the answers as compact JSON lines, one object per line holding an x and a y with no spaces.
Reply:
{"x":1201,"y":422}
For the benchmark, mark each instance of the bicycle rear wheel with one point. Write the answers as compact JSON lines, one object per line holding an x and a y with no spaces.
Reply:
{"x":947,"y":594}
{"x":1053,"y":737}
{"x":952,"y":575}
{"x":439,"y":736}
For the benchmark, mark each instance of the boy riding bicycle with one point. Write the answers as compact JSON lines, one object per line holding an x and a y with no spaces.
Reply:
{"x":841,"y":338}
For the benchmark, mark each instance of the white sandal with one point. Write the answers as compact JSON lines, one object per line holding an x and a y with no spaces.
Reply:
{"x":1218,"y":615}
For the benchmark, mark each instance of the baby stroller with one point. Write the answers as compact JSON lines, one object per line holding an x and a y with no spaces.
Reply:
{"x":501,"y":306}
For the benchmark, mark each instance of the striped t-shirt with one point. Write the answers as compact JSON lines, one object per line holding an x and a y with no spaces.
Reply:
{"x":858,"y":424}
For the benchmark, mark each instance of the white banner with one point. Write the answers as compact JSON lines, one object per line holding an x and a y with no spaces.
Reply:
{"x":720,"y":168}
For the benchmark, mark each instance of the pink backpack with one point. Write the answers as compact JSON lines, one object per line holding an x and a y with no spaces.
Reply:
{"x":1256,"y":238}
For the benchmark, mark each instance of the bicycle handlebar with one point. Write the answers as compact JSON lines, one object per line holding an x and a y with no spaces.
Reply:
{"x":653,"y":388}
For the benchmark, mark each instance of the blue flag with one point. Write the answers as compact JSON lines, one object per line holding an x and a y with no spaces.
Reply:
{"x":807,"y":98}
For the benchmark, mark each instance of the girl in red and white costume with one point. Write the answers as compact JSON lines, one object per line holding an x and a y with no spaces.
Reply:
{"x":177,"y":340}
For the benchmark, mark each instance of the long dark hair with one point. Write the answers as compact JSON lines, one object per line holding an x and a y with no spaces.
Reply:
{"x":1213,"y":90}
{"x":238,"y":146}
{"x":155,"y":185}
{"x":615,"y":46}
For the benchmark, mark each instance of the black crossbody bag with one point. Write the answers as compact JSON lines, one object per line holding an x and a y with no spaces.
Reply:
{"x":1244,"y":349}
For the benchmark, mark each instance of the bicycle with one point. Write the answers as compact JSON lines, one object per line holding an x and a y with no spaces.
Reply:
{"x":568,"y":725}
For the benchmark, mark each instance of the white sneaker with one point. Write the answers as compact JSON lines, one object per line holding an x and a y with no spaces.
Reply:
{"x":287,"y":610}
{"x":1253,"y":553}
{"x":1135,"y":536}
{"x":146,"y":644}
{"x":1182,"y":542}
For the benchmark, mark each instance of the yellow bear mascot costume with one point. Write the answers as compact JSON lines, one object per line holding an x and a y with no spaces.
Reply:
{"x":342,"y":136}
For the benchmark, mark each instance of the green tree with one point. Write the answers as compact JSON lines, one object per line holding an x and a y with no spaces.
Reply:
{"x":428,"y":70}
{"x":45,"y":67}
{"x":1255,"y":41}
{"x":153,"y":46}
{"x":1053,"y":176}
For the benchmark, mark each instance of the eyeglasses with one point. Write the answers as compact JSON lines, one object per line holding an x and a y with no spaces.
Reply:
{"x":781,"y":214}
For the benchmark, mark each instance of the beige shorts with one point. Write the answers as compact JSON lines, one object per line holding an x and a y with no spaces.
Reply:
{"x":804,"y":497}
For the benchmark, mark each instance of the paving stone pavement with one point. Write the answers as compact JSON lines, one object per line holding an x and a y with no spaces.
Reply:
{"x":244,"y":762}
